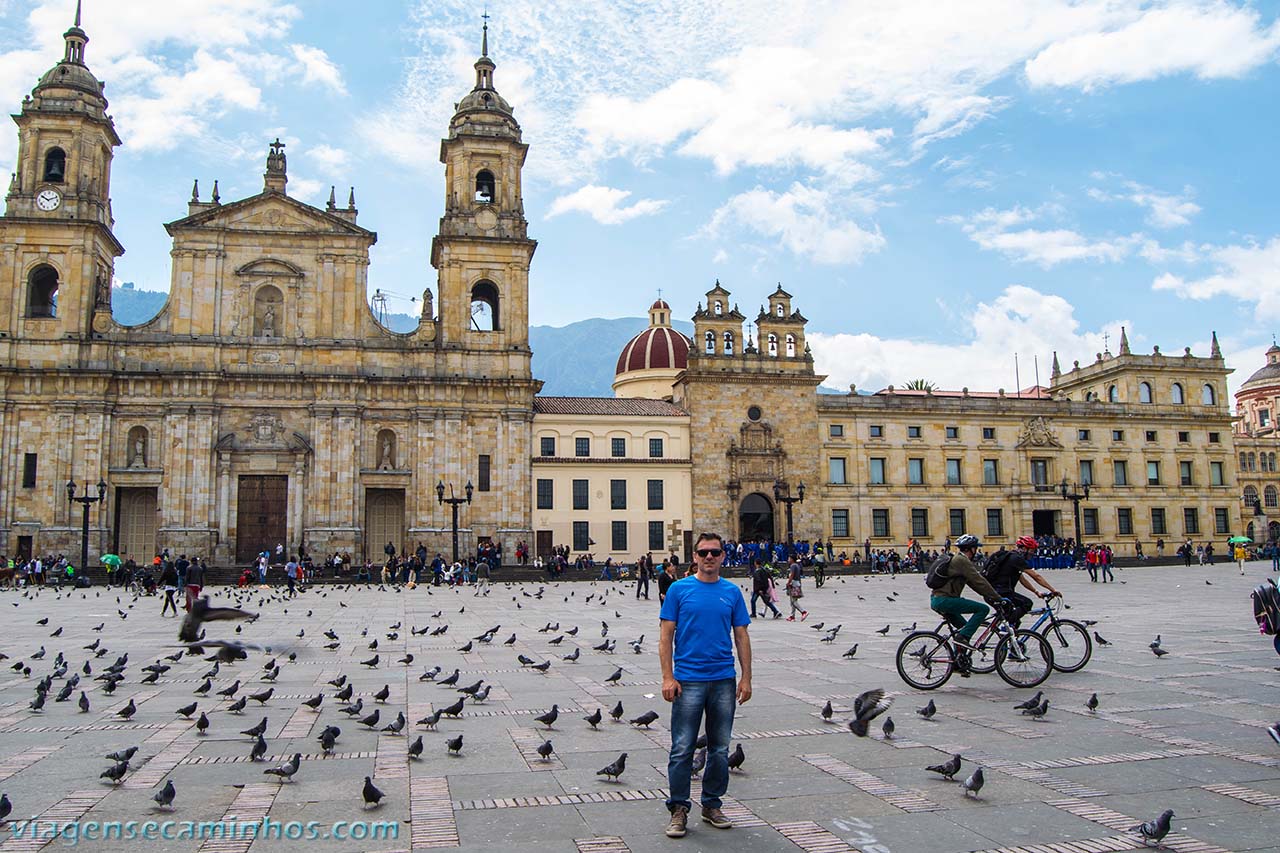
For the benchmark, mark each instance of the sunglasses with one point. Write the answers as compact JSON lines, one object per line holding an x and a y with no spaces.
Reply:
{"x":708,"y":552}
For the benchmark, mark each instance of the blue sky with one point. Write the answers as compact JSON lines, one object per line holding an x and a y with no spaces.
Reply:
{"x":938,"y":185}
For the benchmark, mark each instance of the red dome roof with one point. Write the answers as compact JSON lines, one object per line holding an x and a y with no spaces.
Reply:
{"x":657,"y":347}
{"x":660,"y":304}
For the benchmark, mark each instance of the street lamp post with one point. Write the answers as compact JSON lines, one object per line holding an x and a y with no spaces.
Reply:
{"x":782,"y":494}
{"x":454,"y":502}
{"x":1075,"y":494}
{"x":85,"y":500}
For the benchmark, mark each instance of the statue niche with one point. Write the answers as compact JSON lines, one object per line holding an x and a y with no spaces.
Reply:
{"x":268,"y":305}
{"x":137,"y":447}
{"x":386,"y":450}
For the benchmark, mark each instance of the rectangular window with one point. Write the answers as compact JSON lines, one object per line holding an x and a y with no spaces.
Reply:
{"x":876,"y":431}
{"x":1184,"y":473}
{"x":617,"y":494}
{"x":581,"y":539}
{"x":579,"y":494}
{"x":1221,"y":520}
{"x":1153,"y":473}
{"x":877,"y":471}
{"x":953,"y":433}
{"x":1158,"y":527}
{"x":1151,"y":435}
{"x":837,"y":431}
{"x":1117,"y":435}
{"x":483,"y":468}
{"x":618,"y":447}
{"x":990,"y":472}
{"x":839,"y":523}
{"x":655,"y":448}
{"x":1120,"y":472}
{"x":1040,"y":472}
{"x":1264,"y":418}
{"x":656,"y":542}
{"x":1086,"y":472}
{"x":546,"y":494}
{"x":1215,"y":474}
{"x":956,"y":517}
{"x":1191,"y":521}
{"x":1215,"y":438}
{"x":995,"y":522}
{"x":913,"y":432}
{"x":1089,"y":521}
{"x":1124,"y":521}
{"x":880,"y":523}
{"x":988,"y":433}
{"x":618,"y":537}
{"x":29,"y":470}
{"x":835,"y":468}
{"x":655,"y":494}
{"x":915,"y":471}
{"x":953,"y":472}
{"x":582,"y":447}
{"x":548,"y":445}
{"x":1184,"y":437}
{"x":919,"y":522}
{"x":1082,"y":434}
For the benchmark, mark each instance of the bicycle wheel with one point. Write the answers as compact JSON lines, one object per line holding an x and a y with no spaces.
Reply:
{"x":983,"y":659}
{"x":1071,"y":645}
{"x":925,"y":660}
{"x":1027,"y":662}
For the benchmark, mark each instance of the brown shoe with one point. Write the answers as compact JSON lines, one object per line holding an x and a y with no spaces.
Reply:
{"x":679,"y":822}
{"x":716,"y":818}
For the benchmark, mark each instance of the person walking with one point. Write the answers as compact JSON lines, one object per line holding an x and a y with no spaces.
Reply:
{"x":644,"y":570}
{"x":195,"y":582}
{"x":702,"y":619}
{"x":666,"y":579}
{"x":795,"y":592}
{"x":291,"y":574}
{"x":482,"y":577}
{"x":1240,"y":556}
{"x":1275,"y":556}
{"x":762,"y":588}
{"x":169,"y":583}
{"x":1105,"y":557}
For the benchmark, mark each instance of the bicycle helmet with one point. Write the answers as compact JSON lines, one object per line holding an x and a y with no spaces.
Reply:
{"x":968,"y":540}
{"x":1027,"y":542}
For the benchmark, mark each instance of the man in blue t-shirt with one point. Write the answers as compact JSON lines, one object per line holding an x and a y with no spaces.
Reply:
{"x":698,"y":616}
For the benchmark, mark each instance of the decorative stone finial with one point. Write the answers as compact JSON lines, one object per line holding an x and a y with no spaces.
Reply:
{"x":333,"y":202}
{"x":1124,"y":342}
{"x":276,"y":177}
{"x":195,"y":190}
{"x":1057,"y":371}
{"x":1216,"y":351}
{"x":217,"y":199}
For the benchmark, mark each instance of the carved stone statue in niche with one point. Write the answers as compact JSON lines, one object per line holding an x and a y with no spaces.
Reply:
{"x":387,"y":459}
{"x":269,"y":322}
{"x":138,"y":451}
{"x":428,"y":305}
{"x":267,"y":304}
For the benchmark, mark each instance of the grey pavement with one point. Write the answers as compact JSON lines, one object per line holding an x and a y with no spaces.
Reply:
{"x":1185,"y":732}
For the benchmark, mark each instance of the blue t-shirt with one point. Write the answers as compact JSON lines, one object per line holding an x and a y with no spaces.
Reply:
{"x":705,"y":615}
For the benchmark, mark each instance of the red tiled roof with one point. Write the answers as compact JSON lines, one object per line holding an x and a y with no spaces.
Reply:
{"x":606,"y":406}
{"x":657,"y":347}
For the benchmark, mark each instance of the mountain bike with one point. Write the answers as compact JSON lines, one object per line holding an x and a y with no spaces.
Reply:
{"x":1072,"y":647}
{"x":926,"y":659}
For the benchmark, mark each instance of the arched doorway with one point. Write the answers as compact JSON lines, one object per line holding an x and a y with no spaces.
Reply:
{"x":755,"y":518}
{"x":1273,"y":531}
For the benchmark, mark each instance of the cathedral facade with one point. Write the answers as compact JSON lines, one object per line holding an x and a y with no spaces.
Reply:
{"x":264,"y":405}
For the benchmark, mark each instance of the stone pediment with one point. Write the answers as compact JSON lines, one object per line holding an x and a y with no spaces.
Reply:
{"x":269,"y":211}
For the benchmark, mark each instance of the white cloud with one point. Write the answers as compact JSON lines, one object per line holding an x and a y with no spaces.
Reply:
{"x":328,"y":157}
{"x":802,"y":220}
{"x":605,"y":205}
{"x":1164,"y":210}
{"x":1031,"y":323}
{"x":317,"y":67}
{"x":1208,"y":39}
{"x":998,"y":231}
{"x":1249,"y":274}
{"x":308,"y":189}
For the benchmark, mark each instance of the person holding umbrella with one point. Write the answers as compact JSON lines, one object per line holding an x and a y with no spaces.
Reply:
{"x":1240,"y":554}
{"x":112,"y":562}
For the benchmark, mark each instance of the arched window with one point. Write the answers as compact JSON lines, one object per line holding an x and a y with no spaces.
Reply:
{"x":55,"y":166}
{"x":1207,"y":396}
{"x":1179,"y":398}
{"x":773,"y":345}
{"x":268,"y":306}
{"x":1270,"y":497}
{"x":1113,"y":394}
{"x":728,"y":343}
{"x":1144,"y":392}
{"x":484,"y":307}
{"x":719,"y":308}
{"x":1250,"y":495}
{"x":710,"y":343}
{"x":791,"y":346}
{"x":42,"y":292}
{"x":486,"y":187}
{"x":781,"y":313}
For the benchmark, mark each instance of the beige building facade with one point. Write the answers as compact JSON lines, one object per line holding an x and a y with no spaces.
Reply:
{"x":1257,"y":442}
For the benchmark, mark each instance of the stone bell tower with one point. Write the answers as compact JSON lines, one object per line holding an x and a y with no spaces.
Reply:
{"x":482,"y":252}
{"x":58,"y":250}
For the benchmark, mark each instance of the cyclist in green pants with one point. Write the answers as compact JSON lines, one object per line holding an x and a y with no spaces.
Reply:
{"x":952,"y":606}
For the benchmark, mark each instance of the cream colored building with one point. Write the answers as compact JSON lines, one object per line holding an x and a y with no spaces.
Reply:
{"x":1257,"y":442}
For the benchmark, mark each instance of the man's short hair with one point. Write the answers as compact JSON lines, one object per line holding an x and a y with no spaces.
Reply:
{"x":707,"y":537}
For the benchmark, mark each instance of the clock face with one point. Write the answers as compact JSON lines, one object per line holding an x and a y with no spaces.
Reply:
{"x":48,"y":200}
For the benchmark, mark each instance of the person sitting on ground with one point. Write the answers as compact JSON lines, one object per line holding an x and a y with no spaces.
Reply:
{"x":948,"y":602}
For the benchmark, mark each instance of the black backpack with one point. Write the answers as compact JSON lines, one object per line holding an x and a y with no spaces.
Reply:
{"x":939,"y":572}
{"x":1266,"y":607}
{"x":997,"y":570}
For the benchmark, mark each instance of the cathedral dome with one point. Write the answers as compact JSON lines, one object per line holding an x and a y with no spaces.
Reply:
{"x":655,"y":348}
{"x":70,"y":75}
{"x":1269,"y":373}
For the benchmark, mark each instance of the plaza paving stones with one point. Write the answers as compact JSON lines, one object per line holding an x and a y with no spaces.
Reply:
{"x":1185,"y":732}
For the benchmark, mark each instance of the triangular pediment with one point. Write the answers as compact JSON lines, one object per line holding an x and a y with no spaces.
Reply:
{"x":269,"y":211}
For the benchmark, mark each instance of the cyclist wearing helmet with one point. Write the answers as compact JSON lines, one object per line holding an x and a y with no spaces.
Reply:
{"x":1006,"y":569}
{"x":952,"y":606}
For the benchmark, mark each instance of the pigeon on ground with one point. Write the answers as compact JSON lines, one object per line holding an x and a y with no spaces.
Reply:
{"x":883,"y":631}
{"x":327,"y":740}
{"x":818,"y":627}
{"x":285,"y":771}
{"x":370,"y":793}
{"x":230,"y":691}
{"x":550,"y":717}
{"x":617,"y":711}
{"x":381,"y":695}
{"x":827,"y":711}
{"x":164,"y":797}
{"x":1158,"y":652}
{"x":372,"y":720}
{"x":1098,"y":639}
{"x":314,"y":702}
{"x":396,"y":726}
{"x":595,"y":718}
{"x":202,"y":723}
{"x":947,"y":769}
{"x":127,"y":711}
{"x":203,"y":689}
{"x":84,"y":703}
{"x":1038,"y":712}
{"x":699,"y":761}
{"x":615,"y":678}
{"x":454,"y":745}
{"x":455,"y":710}
{"x":466,"y":648}
{"x":430,"y":674}
{"x":263,"y":697}
{"x":545,"y":749}
{"x":372,"y":662}
{"x":1154,"y":830}
{"x":482,"y":694}
{"x":415,"y":749}
{"x":853,"y":650}
{"x":1155,"y":644}
{"x":888,"y":728}
{"x":612,"y":771}
{"x":866,"y":708}
{"x":259,"y":749}
{"x":1092,"y":704}
{"x":1030,"y":703}
{"x":431,"y":719}
{"x":974,"y":783}
{"x":116,"y":772}
{"x":928,"y":710}
{"x":239,"y":705}
{"x":573,"y":656}
{"x":645,"y":719}
{"x":188,"y":710}
{"x":472,"y":689}
{"x":122,"y":755}
{"x":737,"y":757}
{"x":450,"y":681}
{"x":1274,"y":731}
{"x":258,"y":730}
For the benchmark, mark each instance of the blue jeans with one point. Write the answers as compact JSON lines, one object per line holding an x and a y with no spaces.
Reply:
{"x":716,"y":700}
{"x":767,"y":603}
{"x":952,"y":608}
